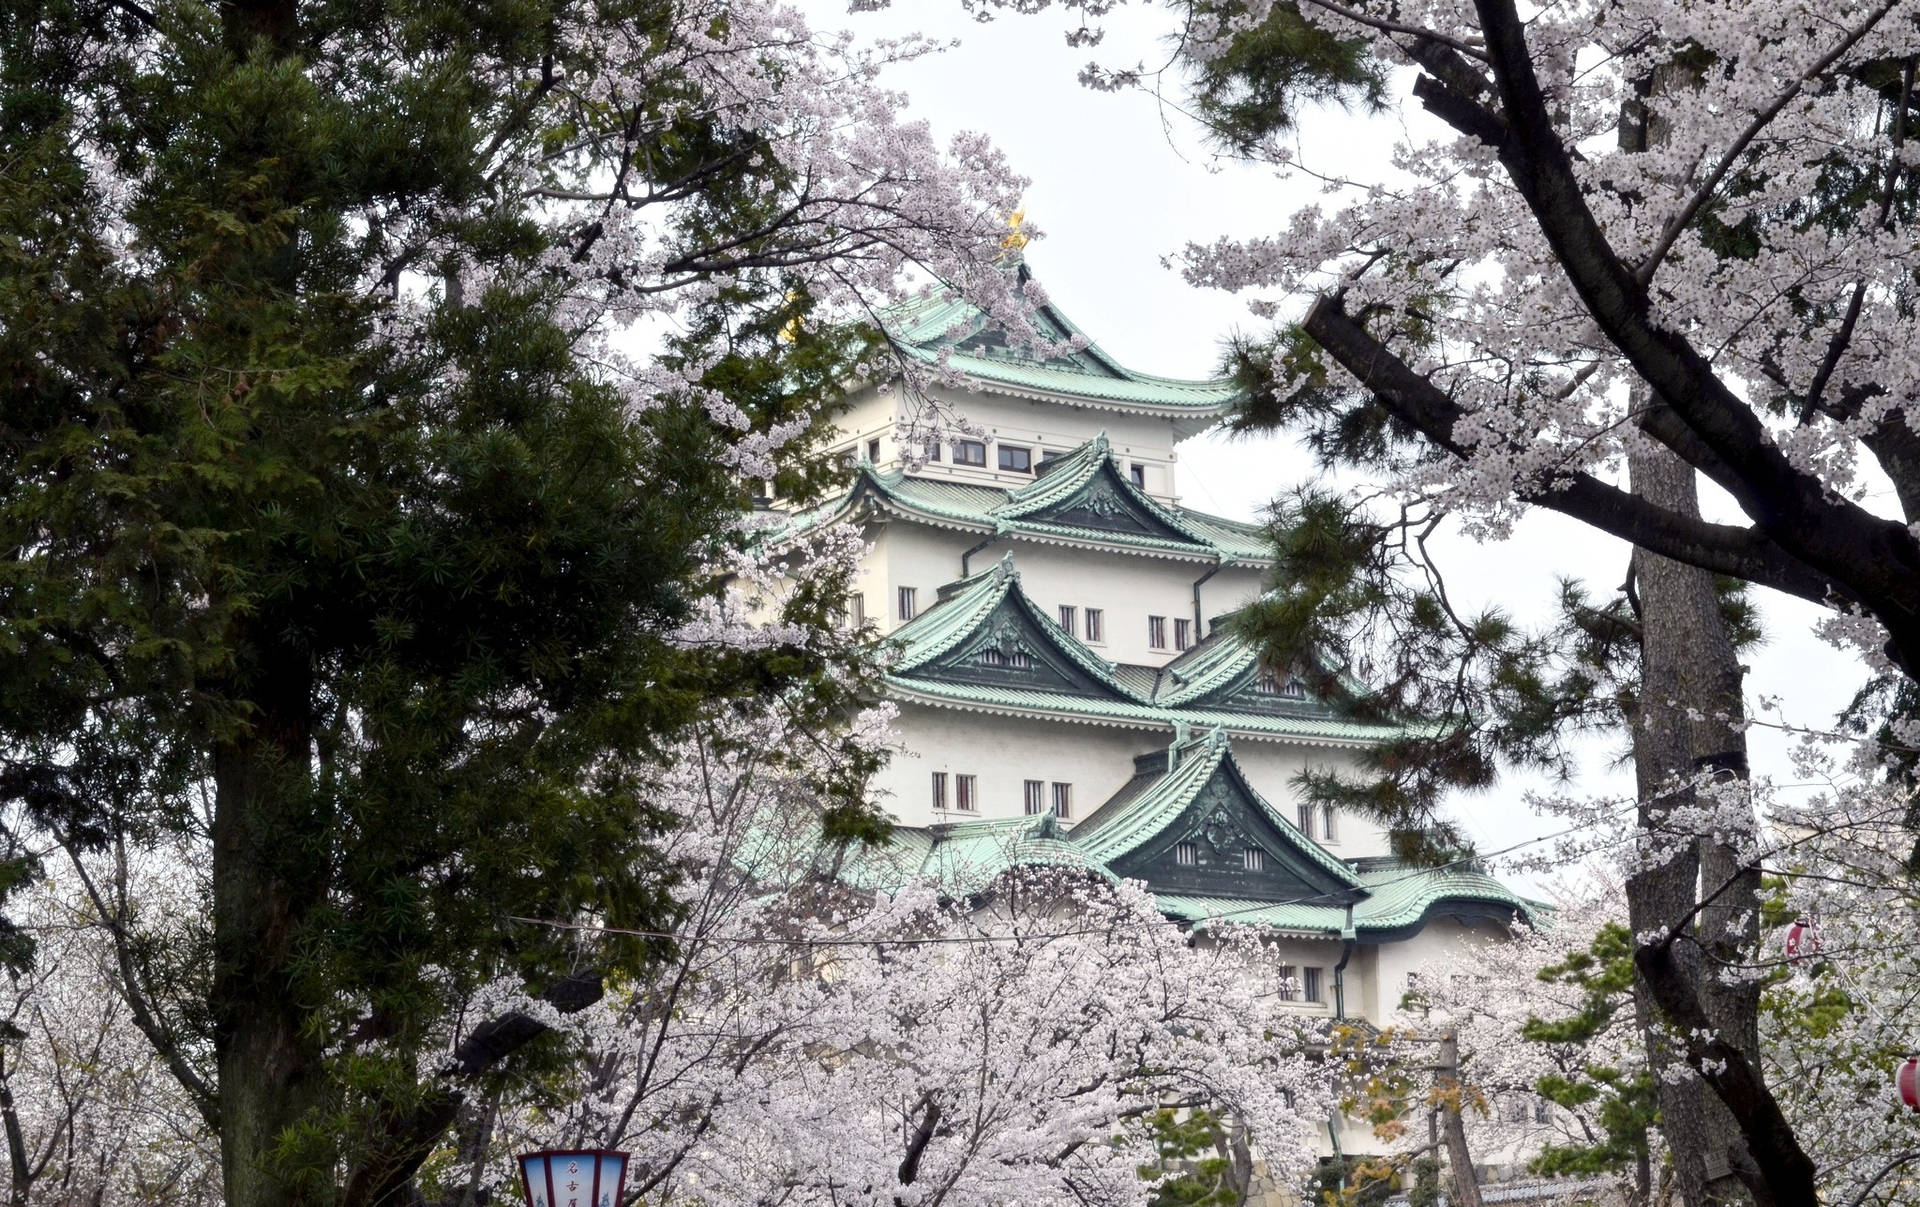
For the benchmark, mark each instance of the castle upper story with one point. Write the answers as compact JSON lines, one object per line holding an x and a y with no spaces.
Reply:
{"x":1016,"y":409}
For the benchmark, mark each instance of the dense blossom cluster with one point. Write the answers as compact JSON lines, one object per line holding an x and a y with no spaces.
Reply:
{"x":1837,"y":1011}
{"x":812,"y":1040}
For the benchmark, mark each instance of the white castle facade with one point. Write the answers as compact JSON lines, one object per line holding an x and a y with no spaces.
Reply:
{"x":1068,"y":693}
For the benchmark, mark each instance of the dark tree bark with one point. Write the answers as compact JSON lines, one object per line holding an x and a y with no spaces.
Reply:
{"x":269,"y":874}
{"x":1453,"y":1131}
{"x":1684,"y":720}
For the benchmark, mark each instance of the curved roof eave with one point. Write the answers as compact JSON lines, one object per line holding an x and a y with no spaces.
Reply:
{"x":1158,"y":724}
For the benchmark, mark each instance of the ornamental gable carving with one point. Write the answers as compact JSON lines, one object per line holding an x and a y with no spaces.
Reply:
{"x":1204,"y":851}
{"x":1010,"y":649}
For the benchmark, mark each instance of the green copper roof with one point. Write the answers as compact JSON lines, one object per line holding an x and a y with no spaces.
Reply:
{"x":1135,"y":815}
{"x":940,"y":329}
{"x":991,"y":698}
{"x":1214,"y":665}
{"x":1082,"y":498}
{"x":993,"y":600}
{"x":969,"y":855}
{"x":1305,"y":917}
{"x":1401,"y":896}
{"x":1382,"y":902}
{"x":1043,"y":669}
{"x":1400,"y":899}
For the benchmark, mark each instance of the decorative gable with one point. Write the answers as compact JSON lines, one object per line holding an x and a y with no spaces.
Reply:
{"x":1205,"y":852}
{"x":1085,"y":490}
{"x":1268,"y":693}
{"x":1189,"y":824}
{"x":1223,"y":674}
{"x":985,"y":632}
{"x":1107,"y":503}
{"x":1012,"y":647}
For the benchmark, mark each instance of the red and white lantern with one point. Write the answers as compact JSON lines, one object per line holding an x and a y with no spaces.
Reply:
{"x":1802,"y":941}
{"x":1906,"y":1083}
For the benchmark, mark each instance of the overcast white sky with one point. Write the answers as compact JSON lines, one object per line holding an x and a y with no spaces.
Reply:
{"x":1119,"y":182}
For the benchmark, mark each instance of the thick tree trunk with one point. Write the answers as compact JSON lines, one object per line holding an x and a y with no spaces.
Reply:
{"x":269,"y":873}
{"x":1686,"y":720}
{"x":1466,"y":1188}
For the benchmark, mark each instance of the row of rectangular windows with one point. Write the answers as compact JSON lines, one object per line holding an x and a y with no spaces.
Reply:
{"x":1013,"y":458}
{"x":966,"y":795}
{"x":1187,"y":855}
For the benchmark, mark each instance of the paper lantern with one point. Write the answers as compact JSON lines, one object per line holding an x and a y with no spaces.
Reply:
{"x":1802,"y":941}
{"x":592,"y":1177}
{"x":1906,"y":1082}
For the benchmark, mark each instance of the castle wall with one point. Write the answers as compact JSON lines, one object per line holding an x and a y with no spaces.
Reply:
{"x":1003,"y":752}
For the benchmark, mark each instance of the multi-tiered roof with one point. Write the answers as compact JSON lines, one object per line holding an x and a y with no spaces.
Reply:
{"x":1189,"y":823}
{"x":1080,"y":499}
{"x":1193,"y":795}
{"x":942,"y":329}
{"x":986,"y":646}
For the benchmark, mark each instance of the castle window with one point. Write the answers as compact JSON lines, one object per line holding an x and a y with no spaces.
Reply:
{"x":1542,"y":1112}
{"x":1326,"y":824}
{"x":1016,"y":459}
{"x":1069,"y":616}
{"x":873,"y":451}
{"x":1182,"y":633}
{"x":1186,"y":854}
{"x":857,"y":610}
{"x":1138,"y":473}
{"x":969,"y":452}
{"x":1310,"y":979}
{"x":966,"y":794}
{"x":1035,"y":796}
{"x":1157,"y":632}
{"x":1271,"y":684}
{"x":906,"y":600}
{"x":933,"y":450}
{"x":1253,"y":859}
{"x":1289,"y":983}
{"x":1063,"y":801}
{"x":939,"y":789}
{"x":1305,"y":815}
{"x":1096,"y":625}
{"x":994,"y":656}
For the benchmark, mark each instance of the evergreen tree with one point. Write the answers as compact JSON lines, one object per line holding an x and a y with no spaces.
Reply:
{"x":342,"y":532}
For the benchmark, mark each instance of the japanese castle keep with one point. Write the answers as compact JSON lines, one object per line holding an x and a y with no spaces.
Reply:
{"x":1065,"y":691}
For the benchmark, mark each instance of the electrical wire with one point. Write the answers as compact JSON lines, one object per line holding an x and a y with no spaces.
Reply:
{"x":1324,"y":898}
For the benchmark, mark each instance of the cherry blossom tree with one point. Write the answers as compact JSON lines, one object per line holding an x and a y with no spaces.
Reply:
{"x":88,"y":1111}
{"x":836,"y":1024}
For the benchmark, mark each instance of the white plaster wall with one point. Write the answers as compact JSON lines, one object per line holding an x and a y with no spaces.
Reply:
{"x":1444,"y":948}
{"x":869,"y":414}
{"x":1002,"y":753}
{"x":877,"y":412}
{"x":1272,"y":765}
{"x":1127,"y":587}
